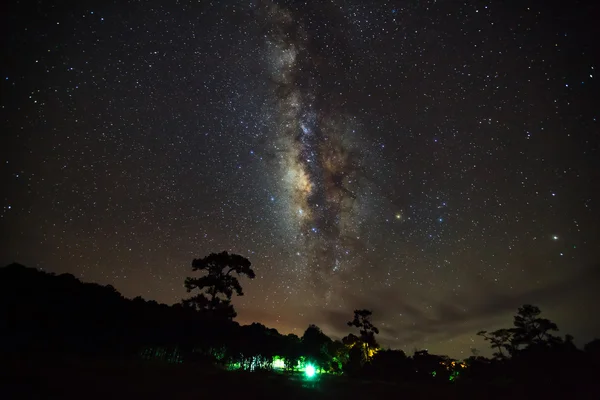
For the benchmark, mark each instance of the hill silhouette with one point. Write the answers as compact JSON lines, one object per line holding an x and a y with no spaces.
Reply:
{"x":55,"y":324}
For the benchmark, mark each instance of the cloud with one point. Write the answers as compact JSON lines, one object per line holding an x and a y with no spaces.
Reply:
{"x":450,"y":317}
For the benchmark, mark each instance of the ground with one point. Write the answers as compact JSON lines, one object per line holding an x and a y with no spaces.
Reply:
{"x":76,"y":378}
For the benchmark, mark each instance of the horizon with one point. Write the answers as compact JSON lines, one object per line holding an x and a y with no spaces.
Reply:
{"x":484,"y":350}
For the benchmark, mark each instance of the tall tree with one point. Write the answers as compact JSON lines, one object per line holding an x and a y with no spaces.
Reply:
{"x":531,"y":330}
{"x":362,"y":321}
{"x":218,"y":284}
{"x":316,"y":345}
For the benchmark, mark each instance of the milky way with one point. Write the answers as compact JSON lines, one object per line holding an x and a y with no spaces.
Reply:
{"x":320,"y":161}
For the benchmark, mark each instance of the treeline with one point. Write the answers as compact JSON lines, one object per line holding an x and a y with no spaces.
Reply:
{"x":57,"y":314}
{"x":43,"y":312}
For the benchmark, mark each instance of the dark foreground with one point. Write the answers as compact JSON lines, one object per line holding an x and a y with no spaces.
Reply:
{"x":69,"y":378}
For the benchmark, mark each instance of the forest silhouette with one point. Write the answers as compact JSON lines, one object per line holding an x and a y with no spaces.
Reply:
{"x":46,"y":318}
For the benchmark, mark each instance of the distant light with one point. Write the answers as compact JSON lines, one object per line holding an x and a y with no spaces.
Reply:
{"x":309,"y":371}
{"x":278,"y":363}
{"x":554,"y":237}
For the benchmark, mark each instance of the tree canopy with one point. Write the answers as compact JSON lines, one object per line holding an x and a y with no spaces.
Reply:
{"x":362,"y":321}
{"x":219,"y":283}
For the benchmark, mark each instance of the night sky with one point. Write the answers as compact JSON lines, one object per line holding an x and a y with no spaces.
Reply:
{"x":437,"y":162}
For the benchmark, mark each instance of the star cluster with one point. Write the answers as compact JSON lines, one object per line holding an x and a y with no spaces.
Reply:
{"x":434,"y":161}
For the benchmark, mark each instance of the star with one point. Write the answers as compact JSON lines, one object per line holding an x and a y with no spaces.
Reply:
{"x":351,"y":153}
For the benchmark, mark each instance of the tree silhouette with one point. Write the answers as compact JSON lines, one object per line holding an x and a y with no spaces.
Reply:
{"x":425,"y":364}
{"x":291,"y":350}
{"x":362,"y":321}
{"x":501,"y":340}
{"x":339,"y":355}
{"x":531,"y":330}
{"x":316,"y":345}
{"x":47,"y":314}
{"x":350,"y":340}
{"x":391,"y":365}
{"x":593,"y":348}
{"x":219,"y":283}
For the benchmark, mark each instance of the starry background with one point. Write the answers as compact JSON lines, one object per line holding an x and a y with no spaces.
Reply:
{"x":435,"y":161}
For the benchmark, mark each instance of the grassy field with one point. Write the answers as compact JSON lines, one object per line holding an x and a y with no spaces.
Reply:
{"x":69,"y":378}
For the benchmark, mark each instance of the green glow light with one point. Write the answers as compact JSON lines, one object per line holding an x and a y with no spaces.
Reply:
{"x":234,"y":366}
{"x":309,"y":371}
{"x":279,"y":363}
{"x":453,"y":376}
